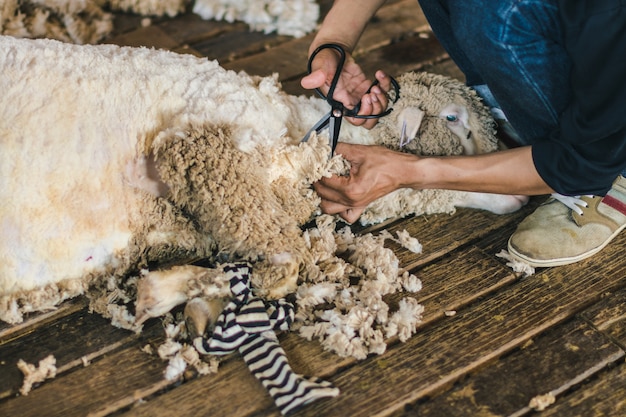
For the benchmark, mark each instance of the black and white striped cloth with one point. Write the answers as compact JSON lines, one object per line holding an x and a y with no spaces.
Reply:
{"x":248,"y":324}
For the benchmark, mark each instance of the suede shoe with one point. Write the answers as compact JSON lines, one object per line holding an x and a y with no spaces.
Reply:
{"x":565,"y":230}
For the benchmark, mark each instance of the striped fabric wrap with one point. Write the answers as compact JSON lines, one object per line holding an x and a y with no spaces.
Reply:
{"x":248,"y":324}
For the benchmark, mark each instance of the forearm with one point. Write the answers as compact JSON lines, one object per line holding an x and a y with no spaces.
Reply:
{"x":345,"y":23}
{"x":506,"y":172}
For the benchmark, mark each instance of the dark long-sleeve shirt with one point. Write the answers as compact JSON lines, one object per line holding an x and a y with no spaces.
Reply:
{"x":588,"y":150}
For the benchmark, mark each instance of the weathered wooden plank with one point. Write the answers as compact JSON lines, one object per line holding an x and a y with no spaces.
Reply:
{"x":68,"y":338}
{"x":127,"y":22}
{"x":409,"y":54}
{"x":289,"y":58}
{"x":150,"y":37}
{"x":222,"y":40}
{"x":232,"y":392}
{"x":32,"y":320}
{"x":603,"y":396}
{"x":185,"y":49}
{"x":457,"y":281}
{"x":445,"y":67}
{"x":439,"y":355}
{"x":428,"y":336}
{"x":392,"y":22}
{"x":609,"y":316}
{"x":118,"y":378}
{"x":454,"y":284}
{"x":238,"y":44}
{"x":189,"y":28}
{"x":553,"y":362}
{"x":441,"y":233}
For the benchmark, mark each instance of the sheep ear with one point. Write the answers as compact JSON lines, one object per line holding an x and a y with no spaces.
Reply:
{"x":409,"y":121}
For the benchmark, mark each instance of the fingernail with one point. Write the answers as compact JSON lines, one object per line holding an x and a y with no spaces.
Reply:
{"x":374,"y":99}
{"x":376,"y":90}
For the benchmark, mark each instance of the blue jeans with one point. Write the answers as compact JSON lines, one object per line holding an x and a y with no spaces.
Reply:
{"x":515,"y":48}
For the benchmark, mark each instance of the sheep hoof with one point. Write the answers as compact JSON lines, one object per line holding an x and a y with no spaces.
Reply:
{"x":201,"y":315}
{"x":160,"y":291}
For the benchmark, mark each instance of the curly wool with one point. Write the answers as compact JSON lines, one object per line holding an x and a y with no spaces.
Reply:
{"x":86,"y":22}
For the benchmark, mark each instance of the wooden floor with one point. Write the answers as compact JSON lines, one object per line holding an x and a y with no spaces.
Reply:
{"x":561,"y":331}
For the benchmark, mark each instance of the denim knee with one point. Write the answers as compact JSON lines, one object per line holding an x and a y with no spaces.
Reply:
{"x":515,"y":46}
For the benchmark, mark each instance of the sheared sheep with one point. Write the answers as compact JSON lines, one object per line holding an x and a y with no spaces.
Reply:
{"x":115,"y":159}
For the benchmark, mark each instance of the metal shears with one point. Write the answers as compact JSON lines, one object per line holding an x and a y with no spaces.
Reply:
{"x":333,"y":118}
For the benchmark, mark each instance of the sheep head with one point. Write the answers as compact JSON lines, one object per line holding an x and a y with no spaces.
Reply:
{"x":437,"y":115}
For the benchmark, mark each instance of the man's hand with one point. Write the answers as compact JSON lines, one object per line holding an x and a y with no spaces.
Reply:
{"x":375,"y":171}
{"x":351,"y":86}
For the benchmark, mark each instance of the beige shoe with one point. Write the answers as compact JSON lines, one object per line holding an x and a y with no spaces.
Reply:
{"x":565,"y":230}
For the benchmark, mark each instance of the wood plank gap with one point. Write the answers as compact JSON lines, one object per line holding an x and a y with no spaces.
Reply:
{"x":604,"y":395}
{"x":17,"y":330}
{"x":591,"y":372}
{"x":87,"y":359}
{"x":137,"y":395}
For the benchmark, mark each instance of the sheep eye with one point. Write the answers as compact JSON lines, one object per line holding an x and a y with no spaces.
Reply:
{"x":451,"y":118}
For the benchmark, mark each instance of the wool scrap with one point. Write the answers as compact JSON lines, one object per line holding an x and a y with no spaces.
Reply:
{"x":541,"y":402}
{"x":516,"y":265}
{"x":286,"y":17}
{"x":36,"y":374}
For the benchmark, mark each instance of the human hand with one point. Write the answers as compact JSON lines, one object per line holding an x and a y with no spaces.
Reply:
{"x":351,"y":87}
{"x":375,"y":171}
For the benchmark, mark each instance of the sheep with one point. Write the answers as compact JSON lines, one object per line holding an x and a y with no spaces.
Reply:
{"x":114,"y":159}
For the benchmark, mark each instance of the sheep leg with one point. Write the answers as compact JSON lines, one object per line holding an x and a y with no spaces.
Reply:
{"x":495,"y":203}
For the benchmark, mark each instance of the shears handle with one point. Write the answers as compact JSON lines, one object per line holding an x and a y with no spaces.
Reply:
{"x":342,"y":60}
{"x":329,"y":96}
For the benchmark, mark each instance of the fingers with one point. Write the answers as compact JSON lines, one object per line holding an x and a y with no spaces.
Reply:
{"x":384,"y":81}
{"x":351,"y":87}
{"x":349,"y":214}
{"x":329,"y":189}
{"x":333,"y":200}
{"x":375,"y":102}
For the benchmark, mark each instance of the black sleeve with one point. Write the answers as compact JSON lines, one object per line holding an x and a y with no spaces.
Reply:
{"x":588,"y":150}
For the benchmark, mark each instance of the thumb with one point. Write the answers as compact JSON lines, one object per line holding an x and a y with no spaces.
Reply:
{"x":316,"y":79}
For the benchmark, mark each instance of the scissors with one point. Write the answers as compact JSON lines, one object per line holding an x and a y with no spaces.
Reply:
{"x":333,"y":118}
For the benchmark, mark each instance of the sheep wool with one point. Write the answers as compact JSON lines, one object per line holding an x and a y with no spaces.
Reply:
{"x":86,"y":22}
{"x":286,"y":17}
{"x":121,"y":166}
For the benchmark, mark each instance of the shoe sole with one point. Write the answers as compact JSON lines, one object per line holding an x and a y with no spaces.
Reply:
{"x":538,"y":263}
